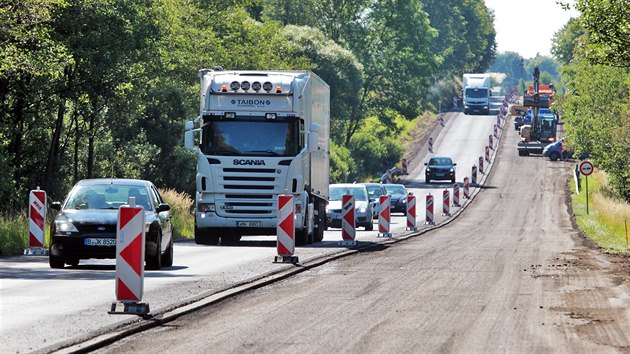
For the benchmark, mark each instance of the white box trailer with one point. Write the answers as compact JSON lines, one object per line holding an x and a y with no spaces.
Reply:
{"x":477,"y":92}
{"x":260,"y":134}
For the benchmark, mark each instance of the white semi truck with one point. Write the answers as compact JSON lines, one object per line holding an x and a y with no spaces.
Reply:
{"x":477,"y":92}
{"x":260,"y":134}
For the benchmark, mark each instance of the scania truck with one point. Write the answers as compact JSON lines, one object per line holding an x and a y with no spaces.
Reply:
{"x":260,"y":134}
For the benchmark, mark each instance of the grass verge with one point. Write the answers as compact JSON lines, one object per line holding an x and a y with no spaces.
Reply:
{"x":181,"y":209}
{"x":607,"y":215}
{"x":13,"y":231}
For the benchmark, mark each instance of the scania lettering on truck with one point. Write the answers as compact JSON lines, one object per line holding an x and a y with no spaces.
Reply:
{"x":260,"y":134}
{"x":477,"y":92}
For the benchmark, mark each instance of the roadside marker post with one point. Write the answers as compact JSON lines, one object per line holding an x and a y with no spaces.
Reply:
{"x":430,"y":145}
{"x":473,"y":176}
{"x":487,"y":154}
{"x":411,"y":212}
{"x":130,"y":246}
{"x":466,"y":188}
{"x":285,"y":230}
{"x":384,"y":217}
{"x":36,"y":223}
{"x":490,"y":142}
{"x":456,"y":195}
{"x":348,"y":224}
{"x":496,"y":131}
{"x":481,"y":164}
{"x":446,"y":209}
{"x":429,"y":208}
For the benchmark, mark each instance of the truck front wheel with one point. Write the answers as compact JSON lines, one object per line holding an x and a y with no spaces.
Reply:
{"x":205,"y":237}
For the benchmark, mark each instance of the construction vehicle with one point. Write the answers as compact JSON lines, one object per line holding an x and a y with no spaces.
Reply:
{"x":542,"y":130}
{"x":260,"y":134}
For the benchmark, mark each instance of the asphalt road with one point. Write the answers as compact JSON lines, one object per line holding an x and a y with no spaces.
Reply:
{"x":510,"y":274}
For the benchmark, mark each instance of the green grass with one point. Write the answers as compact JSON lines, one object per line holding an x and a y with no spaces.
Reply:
{"x":13,"y":234}
{"x":181,"y":209}
{"x":606,"y":221}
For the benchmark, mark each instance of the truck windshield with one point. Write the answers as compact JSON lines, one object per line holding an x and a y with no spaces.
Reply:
{"x":251,"y":136}
{"x":477,"y":93}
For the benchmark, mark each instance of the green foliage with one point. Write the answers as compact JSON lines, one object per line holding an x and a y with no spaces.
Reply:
{"x":341,"y":163}
{"x":512,"y":65}
{"x":13,"y":231}
{"x":567,"y":41}
{"x":608,"y":25}
{"x":596,"y":111}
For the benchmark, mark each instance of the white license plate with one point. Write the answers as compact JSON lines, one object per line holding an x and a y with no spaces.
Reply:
{"x":100,"y":242}
{"x":248,"y":223}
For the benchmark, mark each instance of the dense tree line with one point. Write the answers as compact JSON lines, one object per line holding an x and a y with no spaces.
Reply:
{"x":595,"y":51}
{"x":101,"y":88}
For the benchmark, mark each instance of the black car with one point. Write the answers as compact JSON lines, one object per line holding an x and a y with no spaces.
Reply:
{"x":85,"y":226}
{"x":440,"y":168}
{"x":397,"y":198}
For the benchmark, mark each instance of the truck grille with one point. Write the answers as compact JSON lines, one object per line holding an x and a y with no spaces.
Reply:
{"x":249,"y":192}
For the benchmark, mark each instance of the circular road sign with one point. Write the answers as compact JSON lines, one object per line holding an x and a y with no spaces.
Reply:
{"x":586,"y":168}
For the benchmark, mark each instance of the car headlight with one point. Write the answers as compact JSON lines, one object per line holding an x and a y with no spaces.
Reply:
{"x":452,"y":169}
{"x":362,"y":210}
{"x":428,"y":169}
{"x":65,"y":226}
{"x":205,"y":207}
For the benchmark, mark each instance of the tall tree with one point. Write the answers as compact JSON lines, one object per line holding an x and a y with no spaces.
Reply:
{"x":608,"y":25}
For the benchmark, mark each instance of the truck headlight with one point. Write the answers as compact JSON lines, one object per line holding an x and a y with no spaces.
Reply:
{"x":65,"y":226}
{"x":206,"y":207}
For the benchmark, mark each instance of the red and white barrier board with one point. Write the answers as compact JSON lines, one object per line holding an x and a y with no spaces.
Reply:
{"x":411,"y":212}
{"x":456,"y":195}
{"x":480,"y":164}
{"x":130,"y":244}
{"x":348,"y":225}
{"x":430,"y":145}
{"x":384,"y":217}
{"x":466,"y":188}
{"x":490,"y":142}
{"x":487,"y":154}
{"x":446,"y":209}
{"x":36,"y":218}
{"x":429,"y":209}
{"x":473,"y":176}
{"x":285,"y":230}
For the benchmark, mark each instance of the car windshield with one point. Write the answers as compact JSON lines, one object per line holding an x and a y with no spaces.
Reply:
{"x":395,"y":189}
{"x":358,"y":192}
{"x":374,"y":191}
{"x":106,"y":196}
{"x":440,"y":161}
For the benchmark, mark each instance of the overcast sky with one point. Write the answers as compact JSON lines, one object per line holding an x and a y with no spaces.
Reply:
{"x":527,"y":26}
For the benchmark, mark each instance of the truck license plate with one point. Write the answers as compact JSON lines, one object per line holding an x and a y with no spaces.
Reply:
{"x":100,"y":242}
{"x":248,"y":223}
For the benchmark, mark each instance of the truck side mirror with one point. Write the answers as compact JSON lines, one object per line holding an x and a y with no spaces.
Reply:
{"x":189,"y":137}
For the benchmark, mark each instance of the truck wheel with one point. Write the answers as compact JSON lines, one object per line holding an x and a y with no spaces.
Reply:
{"x":320,"y":222}
{"x":301,"y":237}
{"x":230,"y":239}
{"x":554,"y":156}
{"x":204,"y":237}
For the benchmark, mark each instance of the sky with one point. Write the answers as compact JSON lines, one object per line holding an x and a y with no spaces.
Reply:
{"x":536,"y":19}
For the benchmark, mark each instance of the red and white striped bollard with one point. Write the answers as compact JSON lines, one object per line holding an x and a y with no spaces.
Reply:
{"x":36,"y":222}
{"x":466,"y":188}
{"x":285,"y":230}
{"x":429,"y":211}
{"x":348,"y":223}
{"x":411,"y":212}
{"x":456,"y":195}
{"x":446,"y":208}
{"x":384,"y":217}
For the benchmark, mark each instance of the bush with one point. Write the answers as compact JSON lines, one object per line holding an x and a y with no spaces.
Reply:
{"x":181,"y":210}
{"x":13,"y":232}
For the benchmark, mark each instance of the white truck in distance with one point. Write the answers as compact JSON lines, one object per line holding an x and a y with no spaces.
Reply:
{"x":477,"y":92}
{"x":260,"y":134}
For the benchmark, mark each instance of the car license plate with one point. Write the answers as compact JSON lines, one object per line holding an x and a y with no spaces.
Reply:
{"x":100,"y":242}
{"x":248,"y":223}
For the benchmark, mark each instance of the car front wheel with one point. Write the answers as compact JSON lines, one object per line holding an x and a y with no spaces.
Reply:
{"x":154,"y":261}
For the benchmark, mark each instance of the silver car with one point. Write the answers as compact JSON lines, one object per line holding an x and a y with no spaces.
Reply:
{"x":362,"y":207}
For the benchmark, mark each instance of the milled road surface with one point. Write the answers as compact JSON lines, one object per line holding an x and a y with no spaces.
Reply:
{"x":511,"y":274}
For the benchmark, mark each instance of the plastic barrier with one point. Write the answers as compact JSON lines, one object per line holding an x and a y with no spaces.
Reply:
{"x":430,"y":145}
{"x":480,"y":164}
{"x":285,"y":230}
{"x":411,"y":212}
{"x":487,"y":154}
{"x":348,"y":225}
{"x":473,"y":176}
{"x":446,"y":209}
{"x":130,"y":246}
{"x":490,"y":142}
{"x":384,"y":217}
{"x":36,"y":223}
{"x":466,"y":188}
{"x":429,"y":213}
{"x":456,"y":195}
